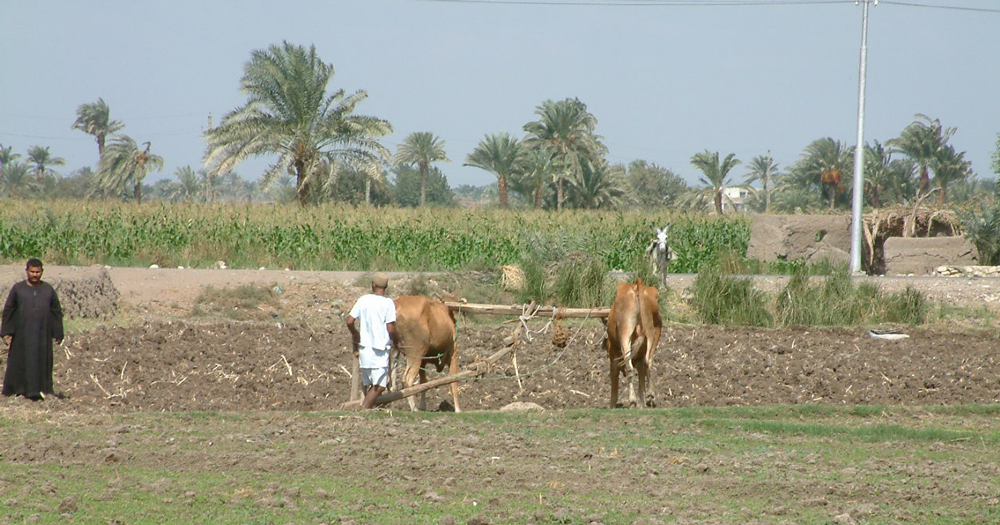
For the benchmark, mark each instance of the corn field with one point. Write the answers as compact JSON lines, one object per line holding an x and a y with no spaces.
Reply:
{"x":338,"y":237}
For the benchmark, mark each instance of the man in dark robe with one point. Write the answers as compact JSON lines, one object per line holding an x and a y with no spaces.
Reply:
{"x":32,"y":318}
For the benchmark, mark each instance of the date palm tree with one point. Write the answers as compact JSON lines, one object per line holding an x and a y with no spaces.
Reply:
{"x":715,"y":173}
{"x":288,"y":113}
{"x":877,"y":167}
{"x":40,"y":158}
{"x":124,"y":163}
{"x":421,"y":148}
{"x":502,"y":155}
{"x":95,"y":119}
{"x":950,"y":166}
{"x":597,"y":185}
{"x":7,"y":156}
{"x":763,"y":169}
{"x":922,"y":141}
{"x":16,"y":179}
{"x":824,"y":163}
{"x":566,"y":129}
{"x":187,"y":188}
{"x":886,"y":178}
{"x":535,"y":175}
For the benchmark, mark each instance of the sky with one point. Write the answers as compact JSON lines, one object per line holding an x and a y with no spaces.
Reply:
{"x":665,"y":79}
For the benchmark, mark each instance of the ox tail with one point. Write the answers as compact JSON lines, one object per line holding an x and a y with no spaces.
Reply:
{"x":633,"y":334}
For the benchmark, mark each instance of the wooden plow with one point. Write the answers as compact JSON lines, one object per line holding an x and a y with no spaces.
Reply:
{"x":478,"y":368}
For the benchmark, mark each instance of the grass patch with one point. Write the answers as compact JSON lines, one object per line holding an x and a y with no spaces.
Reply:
{"x":834,"y":300}
{"x":727,"y":300}
{"x":727,"y":465}
{"x":241,"y":303}
{"x":582,"y":282}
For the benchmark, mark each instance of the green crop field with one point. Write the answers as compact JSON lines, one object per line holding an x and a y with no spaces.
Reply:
{"x":339,"y":237}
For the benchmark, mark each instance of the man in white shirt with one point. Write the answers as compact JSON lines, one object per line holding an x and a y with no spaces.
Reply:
{"x":376,"y":314}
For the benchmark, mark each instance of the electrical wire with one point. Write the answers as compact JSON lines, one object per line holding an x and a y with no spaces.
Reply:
{"x":701,"y":3}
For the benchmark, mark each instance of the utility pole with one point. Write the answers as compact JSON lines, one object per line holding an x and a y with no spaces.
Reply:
{"x":859,"y":149}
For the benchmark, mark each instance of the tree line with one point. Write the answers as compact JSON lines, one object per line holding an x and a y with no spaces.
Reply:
{"x":326,"y":151}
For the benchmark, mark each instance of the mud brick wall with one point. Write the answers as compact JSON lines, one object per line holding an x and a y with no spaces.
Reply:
{"x":922,"y":255}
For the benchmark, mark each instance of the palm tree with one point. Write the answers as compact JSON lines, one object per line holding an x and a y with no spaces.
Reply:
{"x":538,"y":166}
{"x":95,"y":119}
{"x":823,"y":163}
{"x":374,"y":174}
{"x":41,"y":159}
{"x":886,"y":177}
{"x":501,"y":155}
{"x":187,"y":189}
{"x":950,"y":166}
{"x":922,"y":140}
{"x":124,"y":163}
{"x":566,"y":130}
{"x":423,"y":149}
{"x":7,"y":156}
{"x":596,"y":186}
{"x":715,"y":172}
{"x":210,"y":185}
{"x":16,"y":179}
{"x":288,"y":113}
{"x":877,"y":169}
{"x":763,"y":168}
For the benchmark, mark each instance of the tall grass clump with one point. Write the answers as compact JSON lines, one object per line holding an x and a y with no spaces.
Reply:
{"x":836,"y":301}
{"x":582,"y":282}
{"x":909,"y":307}
{"x":535,"y":285}
{"x":727,"y":300}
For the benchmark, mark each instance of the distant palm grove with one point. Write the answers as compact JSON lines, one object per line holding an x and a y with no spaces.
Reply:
{"x":324,"y":149}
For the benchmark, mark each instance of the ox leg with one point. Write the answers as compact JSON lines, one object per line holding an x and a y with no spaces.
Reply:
{"x":409,"y":379}
{"x":648,"y":380}
{"x":453,"y":370}
{"x":635,"y":356}
{"x":643,"y":375}
{"x":423,"y":395}
{"x":631,"y":388}
{"x":614,"y":380}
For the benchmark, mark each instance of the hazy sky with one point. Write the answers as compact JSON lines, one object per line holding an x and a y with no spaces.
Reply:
{"x":664,"y":79}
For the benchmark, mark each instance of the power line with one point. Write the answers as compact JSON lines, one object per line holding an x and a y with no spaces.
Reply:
{"x":698,"y":3}
{"x":951,"y":7}
{"x":642,"y":3}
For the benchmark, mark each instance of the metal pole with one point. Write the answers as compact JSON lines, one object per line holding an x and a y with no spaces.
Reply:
{"x":859,"y":149}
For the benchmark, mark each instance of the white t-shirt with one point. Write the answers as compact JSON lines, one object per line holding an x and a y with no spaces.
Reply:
{"x":373,"y":312}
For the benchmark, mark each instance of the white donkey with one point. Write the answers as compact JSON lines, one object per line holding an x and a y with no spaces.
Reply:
{"x":660,"y":254}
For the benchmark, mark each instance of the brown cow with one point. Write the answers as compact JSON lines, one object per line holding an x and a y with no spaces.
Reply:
{"x":426,"y":331}
{"x":634,"y":327}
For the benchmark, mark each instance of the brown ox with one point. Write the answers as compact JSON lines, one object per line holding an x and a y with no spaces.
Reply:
{"x":426,"y":331}
{"x":634,"y":327}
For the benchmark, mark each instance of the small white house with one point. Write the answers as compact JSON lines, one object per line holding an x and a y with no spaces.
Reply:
{"x":733,"y":199}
